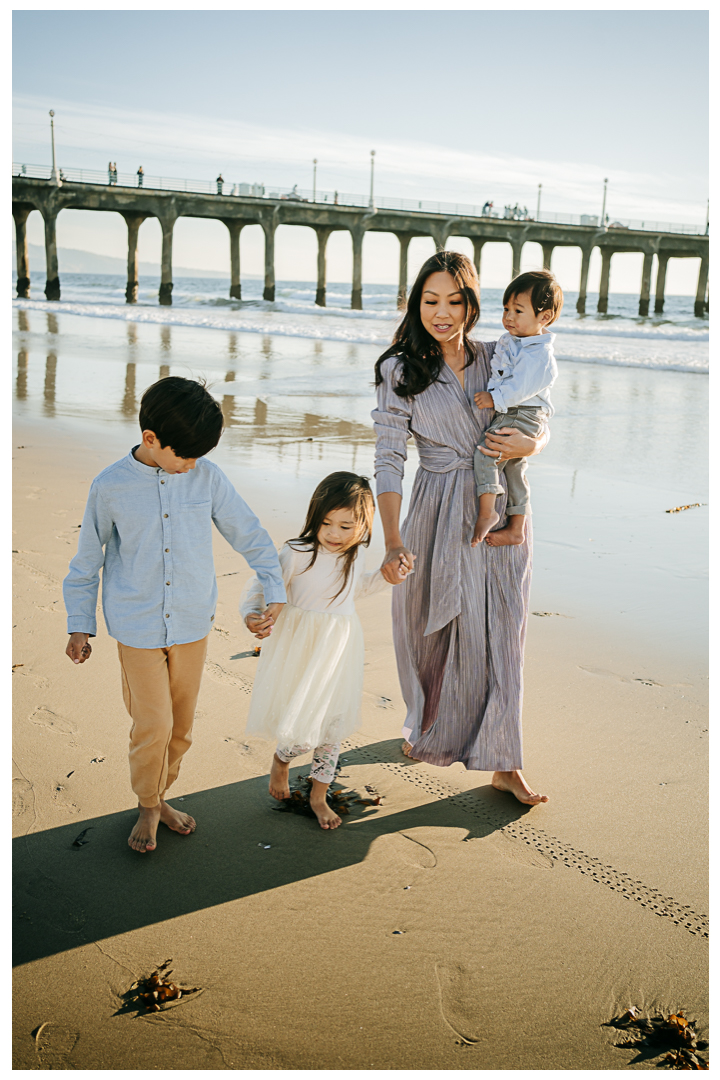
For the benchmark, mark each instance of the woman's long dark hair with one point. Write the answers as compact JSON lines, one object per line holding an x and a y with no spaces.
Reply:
{"x":420,"y":355}
{"x":339,"y":491}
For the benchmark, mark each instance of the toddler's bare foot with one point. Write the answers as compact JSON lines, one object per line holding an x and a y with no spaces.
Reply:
{"x":485,"y":521}
{"x":279,"y":784}
{"x":407,"y":751}
{"x":513,"y":533}
{"x":517,"y":785}
{"x":142,"y":838}
{"x":327,"y":818}
{"x":176,"y":819}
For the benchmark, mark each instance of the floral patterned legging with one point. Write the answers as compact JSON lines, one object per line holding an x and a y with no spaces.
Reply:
{"x":324,"y":762}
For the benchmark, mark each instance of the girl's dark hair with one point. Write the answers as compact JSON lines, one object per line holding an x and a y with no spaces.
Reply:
{"x":183,"y":415}
{"x":545,"y":293}
{"x":421,"y":356}
{"x":339,"y":491}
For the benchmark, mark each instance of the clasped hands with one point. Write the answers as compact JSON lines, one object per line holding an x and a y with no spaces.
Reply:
{"x":398,"y":563}
{"x":260,"y":623}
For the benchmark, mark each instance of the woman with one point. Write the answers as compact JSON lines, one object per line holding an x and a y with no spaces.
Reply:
{"x":459,"y":623}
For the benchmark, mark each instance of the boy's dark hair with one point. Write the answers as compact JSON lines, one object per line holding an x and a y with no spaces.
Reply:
{"x":545,"y":293}
{"x":183,"y":416}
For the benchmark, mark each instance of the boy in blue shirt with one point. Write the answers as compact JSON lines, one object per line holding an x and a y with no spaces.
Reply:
{"x":148,"y":524}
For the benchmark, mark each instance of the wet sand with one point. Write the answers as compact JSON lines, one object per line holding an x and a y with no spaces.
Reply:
{"x":522,"y":931}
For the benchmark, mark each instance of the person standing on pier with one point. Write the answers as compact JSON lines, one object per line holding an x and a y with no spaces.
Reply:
{"x":110,"y":172}
{"x":459,"y":623}
{"x":140,"y":176}
{"x":220,"y":183}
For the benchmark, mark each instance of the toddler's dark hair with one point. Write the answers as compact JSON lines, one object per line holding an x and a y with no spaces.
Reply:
{"x":339,"y":491}
{"x":183,"y":415}
{"x":545,"y":293}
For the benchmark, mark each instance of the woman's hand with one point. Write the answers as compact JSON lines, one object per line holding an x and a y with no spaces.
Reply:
{"x":261,"y":624}
{"x":510,"y":443}
{"x":398,"y":563}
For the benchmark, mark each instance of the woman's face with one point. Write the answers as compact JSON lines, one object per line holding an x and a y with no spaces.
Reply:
{"x":442,"y":307}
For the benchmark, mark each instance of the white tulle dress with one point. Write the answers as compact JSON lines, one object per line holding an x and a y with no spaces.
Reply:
{"x":309,"y":677}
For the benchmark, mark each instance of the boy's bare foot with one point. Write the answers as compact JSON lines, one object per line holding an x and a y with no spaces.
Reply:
{"x":513,"y":533}
{"x":516,"y":784}
{"x":327,"y":818}
{"x":142,"y":838}
{"x":485,"y":521}
{"x":176,"y":819}
{"x":407,"y":751}
{"x":279,"y":783}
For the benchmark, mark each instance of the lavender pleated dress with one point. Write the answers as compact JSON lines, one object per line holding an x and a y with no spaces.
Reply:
{"x":459,"y":621}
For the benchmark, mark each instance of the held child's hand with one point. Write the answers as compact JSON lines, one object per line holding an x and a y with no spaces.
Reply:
{"x":78,"y":648}
{"x":483,"y":400}
{"x":261,"y":624}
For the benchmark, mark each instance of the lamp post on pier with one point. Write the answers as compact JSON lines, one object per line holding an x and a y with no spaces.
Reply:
{"x":602,"y":216}
{"x":537,"y":214}
{"x":314,"y":178}
{"x":372,"y":180}
{"x":55,"y":178}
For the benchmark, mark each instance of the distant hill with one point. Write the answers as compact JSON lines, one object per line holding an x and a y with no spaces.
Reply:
{"x":73,"y":261}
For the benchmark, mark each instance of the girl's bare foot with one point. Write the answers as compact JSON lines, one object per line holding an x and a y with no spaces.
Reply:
{"x":513,"y":533}
{"x":279,"y":784}
{"x":142,"y":838}
{"x":516,"y":784}
{"x":176,"y":819}
{"x":483,"y":525}
{"x":327,"y":818}
{"x":407,"y":751}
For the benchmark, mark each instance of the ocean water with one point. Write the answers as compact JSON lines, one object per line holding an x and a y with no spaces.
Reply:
{"x":674,"y":341}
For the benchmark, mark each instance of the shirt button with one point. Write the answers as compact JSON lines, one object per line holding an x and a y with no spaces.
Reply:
{"x":162,"y":481}
{"x":167,"y":549}
{"x":167,"y":582}
{"x":167,"y":616}
{"x":164,"y":515}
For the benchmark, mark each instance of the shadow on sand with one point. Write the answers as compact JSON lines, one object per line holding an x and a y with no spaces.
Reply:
{"x":66,"y":896}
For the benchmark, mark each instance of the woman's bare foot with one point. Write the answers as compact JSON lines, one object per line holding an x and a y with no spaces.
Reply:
{"x":516,"y":784}
{"x":483,"y":525}
{"x":279,"y":783}
{"x":513,"y":533}
{"x":176,"y":819}
{"x":327,"y":818}
{"x":142,"y":838}
{"x":407,"y":751}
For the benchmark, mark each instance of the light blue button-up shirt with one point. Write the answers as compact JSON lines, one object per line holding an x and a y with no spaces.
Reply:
{"x":522,"y":371}
{"x":159,"y":585}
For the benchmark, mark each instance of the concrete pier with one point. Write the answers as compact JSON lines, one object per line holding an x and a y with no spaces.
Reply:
{"x":644,"y":308}
{"x":604,"y":281}
{"x":660,"y":284}
{"x":134,"y":221}
{"x":20,"y":214}
{"x":52,"y":275}
{"x":701,"y":305}
{"x":237,"y":211}
{"x":323,"y":232}
{"x":404,"y":239}
{"x":234,"y":228}
{"x":477,"y":260}
{"x":584,"y":270}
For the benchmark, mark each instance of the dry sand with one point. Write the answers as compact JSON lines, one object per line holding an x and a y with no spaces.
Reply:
{"x":521,"y":931}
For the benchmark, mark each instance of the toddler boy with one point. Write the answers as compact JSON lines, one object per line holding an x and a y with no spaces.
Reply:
{"x":148,"y":524}
{"x":523,"y":369}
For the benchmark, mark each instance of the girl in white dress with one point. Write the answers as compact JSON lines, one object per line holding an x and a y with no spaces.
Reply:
{"x":309,"y":679}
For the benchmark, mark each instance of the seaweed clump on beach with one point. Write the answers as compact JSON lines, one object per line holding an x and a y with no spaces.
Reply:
{"x":673,"y":1035}
{"x":156,"y":993}
{"x":338,"y":798}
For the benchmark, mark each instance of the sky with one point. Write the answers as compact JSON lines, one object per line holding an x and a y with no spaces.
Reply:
{"x":460,"y":106}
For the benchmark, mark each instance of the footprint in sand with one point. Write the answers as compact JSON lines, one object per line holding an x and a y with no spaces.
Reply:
{"x":465,"y":990}
{"x":35,"y":493}
{"x":23,"y":797}
{"x":241,"y":748}
{"x":46,"y":718}
{"x":524,"y":854}
{"x":54,"y":1044}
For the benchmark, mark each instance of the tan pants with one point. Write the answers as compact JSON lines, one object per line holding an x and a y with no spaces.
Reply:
{"x":160,"y":690}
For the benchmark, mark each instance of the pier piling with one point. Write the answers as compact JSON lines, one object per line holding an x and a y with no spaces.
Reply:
{"x":644,"y":307}
{"x":20,"y":214}
{"x":166,"y":283}
{"x":323,"y":232}
{"x":547,"y":250}
{"x":517,"y":246}
{"x":133,"y":221}
{"x":660,"y":283}
{"x":357,"y":233}
{"x":234,"y":228}
{"x":584,"y":270}
{"x":604,"y":281}
{"x":477,"y":259}
{"x":404,"y":239}
{"x":52,"y":274}
{"x":700,"y":296}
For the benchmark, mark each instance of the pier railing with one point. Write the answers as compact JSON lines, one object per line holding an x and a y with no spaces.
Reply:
{"x":338,"y":198}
